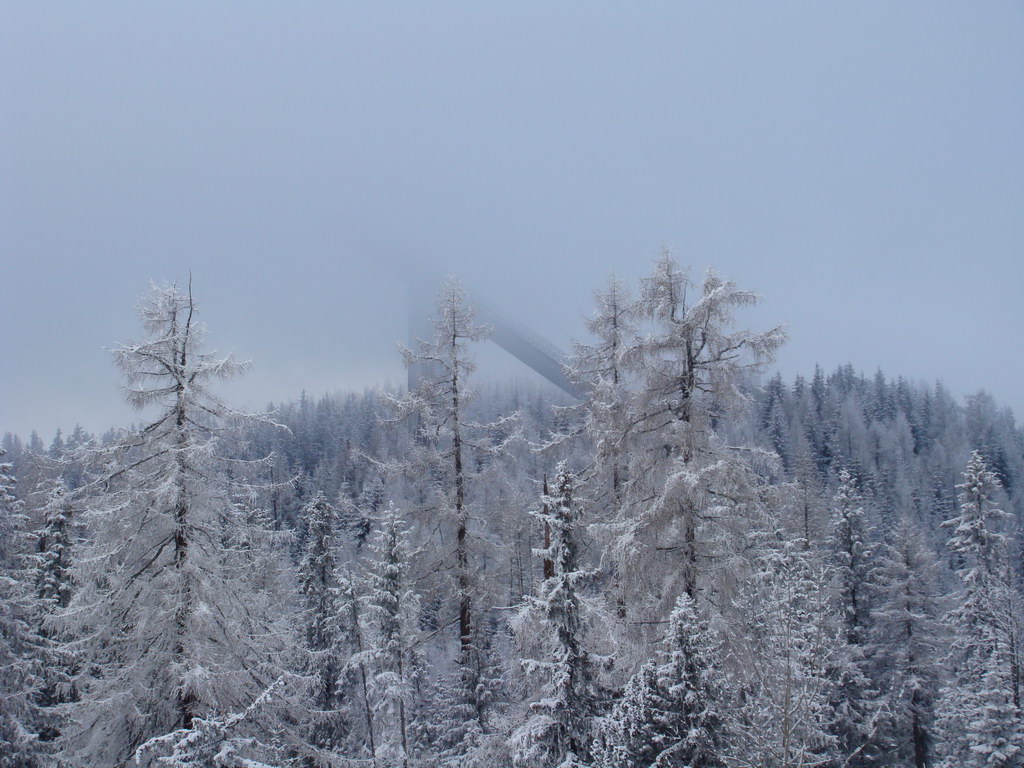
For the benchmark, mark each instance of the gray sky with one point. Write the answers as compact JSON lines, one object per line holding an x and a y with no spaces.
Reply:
{"x":861,"y":165}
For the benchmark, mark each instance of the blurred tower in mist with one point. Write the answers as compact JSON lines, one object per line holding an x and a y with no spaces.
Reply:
{"x":524,"y":345}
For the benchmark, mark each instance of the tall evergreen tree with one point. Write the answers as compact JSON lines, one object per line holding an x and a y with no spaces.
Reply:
{"x":169,"y":621}
{"x":354,"y":683}
{"x":54,"y":549}
{"x":22,"y":650}
{"x":981,"y":714}
{"x":445,"y":436}
{"x":54,"y":584}
{"x":325,"y":647}
{"x":467,"y":738}
{"x":910,"y":638}
{"x":439,"y":406}
{"x":558,"y":731}
{"x":394,"y":616}
{"x":369,"y":506}
{"x":670,"y":715}
{"x":603,"y":370}
{"x":785,"y":644}
{"x":685,"y":490}
{"x":634,"y":734}
{"x":857,"y":703}
{"x":809,"y":504}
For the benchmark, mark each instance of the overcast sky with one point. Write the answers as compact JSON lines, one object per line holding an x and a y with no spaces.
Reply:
{"x":860,"y":165}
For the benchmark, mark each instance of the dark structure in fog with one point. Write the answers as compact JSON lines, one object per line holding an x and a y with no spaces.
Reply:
{"x":520,"y":342}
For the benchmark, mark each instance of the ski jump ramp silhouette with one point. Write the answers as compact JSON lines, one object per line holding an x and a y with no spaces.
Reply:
{"x":527,"y":346}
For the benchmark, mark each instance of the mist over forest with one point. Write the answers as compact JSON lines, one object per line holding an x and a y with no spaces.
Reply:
{"x":587,"y":503}
{"x":666,"y":557}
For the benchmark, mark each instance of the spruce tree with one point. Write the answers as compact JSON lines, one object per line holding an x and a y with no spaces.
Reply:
{"x":690,"y":675}
{"x":981,"y":714}
{"x":910,"y":638}
{"x":366,"y":510}
{"x":558,"y":731}
{"x":354,"y":683}
{"x":397,"y":668}
{"x":670,"y":715}
{"x":857,"y":703}
{"x":467,"y":738}
{"x":633,"y":735}
{"x":326,"y":653}
{"x":54,"y":550}
{"x":22,"y":650}
{"x":54,"y":584}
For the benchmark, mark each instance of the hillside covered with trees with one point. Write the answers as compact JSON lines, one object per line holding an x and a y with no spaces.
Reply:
{"x":694,"y":565}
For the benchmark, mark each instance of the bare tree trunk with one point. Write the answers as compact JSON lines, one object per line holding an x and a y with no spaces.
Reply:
{"x":354,"y":609}
{"x":186,"y":700}
{"x":462,"y":522}
{"x":1014,"y":658}
{"x":918,"y":734}
{"x":549,"y":565}
{"x":401,"y":717}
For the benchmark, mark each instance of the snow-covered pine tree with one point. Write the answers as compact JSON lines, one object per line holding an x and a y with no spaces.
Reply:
{"x":221,"y":742}
{"x":370,"y":504}
{"x":54,"y":547}
{"x":774,"y":421}
{"x":857,"y":703}
{"x":980,"y":710}
{"x":22,"y":650}
{"x":632,"y":735}
{"x":325,"y":651}
{"x":783,"y":648}
{"x":354,"y":683}
{"x":467,"y":737}
{"x":461,"y":718}
{"x":685,"y":488}
{"x":810,"y":506}
{"x":690,"y":675}
{"x":558,"y":730}
{"x":394,"y":609}
{"x":603,"y":370}
{"x":73,"y":465}
{"x":171,"y":619}
{"x":670,"y":715}
{"x":54,"y":584}
{"x":910,"y":636}
{"x":438,"y":406}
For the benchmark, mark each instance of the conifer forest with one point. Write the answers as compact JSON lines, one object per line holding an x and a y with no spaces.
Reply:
{"x":695,"y":564}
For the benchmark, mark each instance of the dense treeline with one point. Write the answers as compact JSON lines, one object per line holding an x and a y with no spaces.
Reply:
{"x":687,"y":568}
